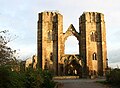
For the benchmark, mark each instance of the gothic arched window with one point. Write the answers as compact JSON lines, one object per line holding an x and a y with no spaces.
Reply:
{"x":49,"y":35}
{"x":93,"y":36}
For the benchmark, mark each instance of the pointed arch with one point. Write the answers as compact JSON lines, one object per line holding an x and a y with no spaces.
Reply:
{"x":71,"y":45}
{"x":93,"y":36}
{"x":71,"y":31}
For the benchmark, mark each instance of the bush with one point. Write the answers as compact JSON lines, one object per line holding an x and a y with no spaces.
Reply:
{"x":113,"y":76}
{"x":48,"y":82}
{"x":4,"y":77}
{"x":33,"y":79}
{"x":28,"y":79}
{"x":9,"y":79}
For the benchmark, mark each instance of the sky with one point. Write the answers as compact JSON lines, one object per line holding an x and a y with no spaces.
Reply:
{"x":20,"y":18}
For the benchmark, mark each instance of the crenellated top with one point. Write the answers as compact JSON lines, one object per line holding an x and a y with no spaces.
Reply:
{"x":49,"y":16}
{"x":92,"y":17}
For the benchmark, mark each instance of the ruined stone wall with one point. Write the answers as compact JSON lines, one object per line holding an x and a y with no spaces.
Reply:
{"x":93,"y":42}
{"x":82,"y":44}
{"x":60,"y":42}
{"x":104,"y":45}
{"x":49,"y":34}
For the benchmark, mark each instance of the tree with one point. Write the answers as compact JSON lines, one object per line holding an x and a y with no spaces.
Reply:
{"x":6,"y":53}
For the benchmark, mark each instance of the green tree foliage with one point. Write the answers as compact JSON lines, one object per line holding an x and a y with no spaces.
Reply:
{"x":10,"y":78}
{"x":4,"y":77}
{"x":6,"y":53}
{"x":38,"y":79}
{"x":113,"y":76}
{"x":28,"y":79}
{"x":33,"y":78}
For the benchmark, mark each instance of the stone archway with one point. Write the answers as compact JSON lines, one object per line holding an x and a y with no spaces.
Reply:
{"x":70,"y":31}
{"x":72,"y":65}
{"x":51,"y":42}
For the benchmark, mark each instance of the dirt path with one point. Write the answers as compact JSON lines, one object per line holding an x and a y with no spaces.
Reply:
{"x":80,"y":83}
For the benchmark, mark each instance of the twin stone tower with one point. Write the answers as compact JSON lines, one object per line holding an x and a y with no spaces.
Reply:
{"x":92,"y":57}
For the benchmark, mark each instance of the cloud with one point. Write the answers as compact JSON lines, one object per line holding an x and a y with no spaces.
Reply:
{"x":27,"y":51}
{"x":114,"y":65}
{"x":20,"y":17}
{"x":114,"y":56}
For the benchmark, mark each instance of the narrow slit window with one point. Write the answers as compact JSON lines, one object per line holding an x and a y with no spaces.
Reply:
{"x":94,"y":56}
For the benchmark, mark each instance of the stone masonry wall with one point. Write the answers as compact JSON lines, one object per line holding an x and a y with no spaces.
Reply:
{"x":49,"y":34}
{"x":92,"y":42}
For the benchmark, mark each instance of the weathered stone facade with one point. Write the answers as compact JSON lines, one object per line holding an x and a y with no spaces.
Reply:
{"x":29,"y":63}
{"x":92,"y":44}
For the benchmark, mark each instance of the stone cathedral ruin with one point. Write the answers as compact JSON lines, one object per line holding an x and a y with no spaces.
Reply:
{"x":92,"y":57}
